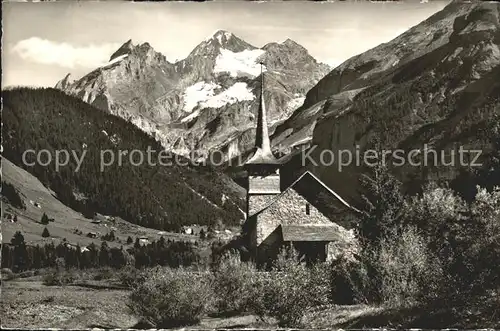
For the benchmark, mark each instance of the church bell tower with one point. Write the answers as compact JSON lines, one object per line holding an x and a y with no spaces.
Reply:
{"x":262,"y":167}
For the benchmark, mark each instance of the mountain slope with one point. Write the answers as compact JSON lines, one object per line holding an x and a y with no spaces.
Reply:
{"x":205,"y":102}
{"x":39,"y":200}
{"x":436,"y":84}
{"x":158,"y":195}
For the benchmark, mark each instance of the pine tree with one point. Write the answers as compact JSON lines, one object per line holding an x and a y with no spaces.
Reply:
{"x":383,"y":199}
{"x":45,"y":233}
{"x":45,"y":219}
{"x":20,"y":253}
{"x":104,"y":254}
{"x":130,"y":240}
{"x":17,"y":239}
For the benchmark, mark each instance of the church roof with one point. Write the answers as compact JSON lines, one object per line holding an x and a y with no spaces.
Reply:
{"x":262,"y":153}
{"x":317,"y":193}
{"x":261,"y":156}
{"x":310,"y":233}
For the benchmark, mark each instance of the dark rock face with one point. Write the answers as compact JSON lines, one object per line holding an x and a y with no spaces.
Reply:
{"x":207,"y":101}
{"x":436,"y":84}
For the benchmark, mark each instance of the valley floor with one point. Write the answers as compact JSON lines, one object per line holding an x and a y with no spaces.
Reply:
{"x":28,"y":303}
{"x":31,"y":304}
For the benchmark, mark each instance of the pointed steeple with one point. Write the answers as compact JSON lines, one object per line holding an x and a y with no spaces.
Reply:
{"x":262,"y":152}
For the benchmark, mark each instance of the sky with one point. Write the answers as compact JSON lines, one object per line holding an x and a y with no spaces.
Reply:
{"x":42,"y":42}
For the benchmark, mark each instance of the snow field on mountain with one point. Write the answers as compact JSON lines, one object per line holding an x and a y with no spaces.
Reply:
{"x":202,"y":94}
{"x":241,"y":62}
{"x":116,"y":59}
{"x":197,"y":93}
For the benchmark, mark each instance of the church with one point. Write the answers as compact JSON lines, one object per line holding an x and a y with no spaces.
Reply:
{"x":307,"y":215}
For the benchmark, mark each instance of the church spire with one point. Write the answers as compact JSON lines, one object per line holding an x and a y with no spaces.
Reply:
{"x":262,"y":154}
{"x":262,"y":134}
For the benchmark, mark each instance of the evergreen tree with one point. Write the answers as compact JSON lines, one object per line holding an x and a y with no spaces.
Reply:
{"x":130,"y":240}
{"x":117,"y":258}
{"x":17,"y":239}
{"x":162,"y":243}
{"x":37,"y":257}
{"x":20,"y":254}
{"x":45,"y":219}
{"x":7,"y":256}
{"x":383,"y":200}
{"x":45,"y":233}
{"x":104,"y":254}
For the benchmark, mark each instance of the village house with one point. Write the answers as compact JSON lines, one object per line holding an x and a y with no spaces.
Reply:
{"x":307,"y":215}
{"x":92,"y":235}
{"x":143,"y":240}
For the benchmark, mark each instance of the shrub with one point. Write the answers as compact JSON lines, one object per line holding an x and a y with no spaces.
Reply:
{"x":350,"y":282}
{"x":436,"y":210}
{"x":407,"y":271}
{"x":479,"y":243}
{"x":465,"y":238}
{"x":26,"y":274}
{"x":169,"y":298}
{"x":104,"y":273}
{"x":233,"y":285}
{"x":59,"y":277}
{"x":7,"y":274}
{"x":289,"y":290}
{"x":131,"y":277}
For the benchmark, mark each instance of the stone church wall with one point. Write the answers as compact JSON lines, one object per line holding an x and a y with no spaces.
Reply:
{"x":289,"y":209}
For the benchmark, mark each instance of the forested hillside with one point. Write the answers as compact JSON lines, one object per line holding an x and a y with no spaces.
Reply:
{"x":162,"y":197}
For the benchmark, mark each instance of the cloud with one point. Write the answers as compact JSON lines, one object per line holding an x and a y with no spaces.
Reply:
{"x":66,"y":55}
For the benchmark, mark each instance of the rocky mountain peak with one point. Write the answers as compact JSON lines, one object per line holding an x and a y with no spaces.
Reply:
{"x":221,"y":39}
{"x":207,"y":100}
{"x":146,"y":51}
{"x":126,"y":48}
{"x":289,"y":53}
{"x":291,"y":43}
{"x":221,"y":36}
{"x":64,"y":83}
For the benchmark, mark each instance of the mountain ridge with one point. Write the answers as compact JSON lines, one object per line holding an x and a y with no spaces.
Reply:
{"x":206,"y":101}
{"x":401,"y":99}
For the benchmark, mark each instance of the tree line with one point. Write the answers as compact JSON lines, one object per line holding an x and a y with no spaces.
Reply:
{"x":19,"y":257}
